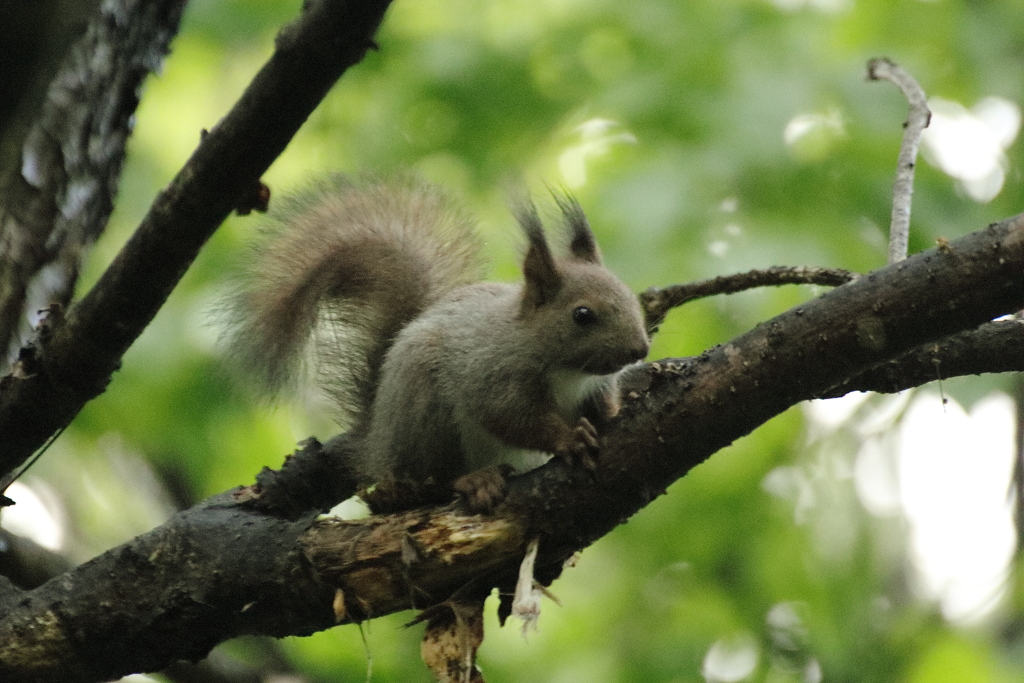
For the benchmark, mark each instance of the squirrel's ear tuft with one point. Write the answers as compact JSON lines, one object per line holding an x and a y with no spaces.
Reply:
{"x":582,"y":245}
{"x":542,"y":279}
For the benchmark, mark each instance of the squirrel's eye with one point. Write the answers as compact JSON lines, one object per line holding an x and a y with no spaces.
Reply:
{"x":584,"y":316}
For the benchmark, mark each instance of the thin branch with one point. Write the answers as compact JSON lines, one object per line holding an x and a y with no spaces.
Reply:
{"x":993,"y":347}
{"x":26,"y":563}
{"x":917,"y":120}
{"x":658,"y":301}
{"x":75,"y":359}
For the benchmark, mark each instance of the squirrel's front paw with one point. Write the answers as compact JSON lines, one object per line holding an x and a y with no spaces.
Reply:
{"x":582,"y":449}
{"x":484,"y":489}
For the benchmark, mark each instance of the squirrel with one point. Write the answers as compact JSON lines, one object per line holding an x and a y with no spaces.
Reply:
{"x":375,"y":287}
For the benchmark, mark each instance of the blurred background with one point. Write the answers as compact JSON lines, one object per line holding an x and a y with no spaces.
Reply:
{"x":870,"y":538}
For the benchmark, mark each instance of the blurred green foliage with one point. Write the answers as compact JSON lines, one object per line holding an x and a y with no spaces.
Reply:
{"x":667,"y":119}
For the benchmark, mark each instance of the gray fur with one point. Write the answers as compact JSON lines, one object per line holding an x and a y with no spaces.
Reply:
{"x":339,"y":269}
{"x":442,"y":374}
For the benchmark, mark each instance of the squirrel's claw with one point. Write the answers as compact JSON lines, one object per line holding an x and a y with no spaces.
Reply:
{"x":484,"y":489}
{"x":583,"y":448}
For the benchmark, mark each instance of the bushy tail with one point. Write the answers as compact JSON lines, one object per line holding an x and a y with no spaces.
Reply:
{"x":341,"y":268}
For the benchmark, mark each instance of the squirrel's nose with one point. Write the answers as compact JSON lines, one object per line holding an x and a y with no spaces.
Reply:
{"x":639,"y":353}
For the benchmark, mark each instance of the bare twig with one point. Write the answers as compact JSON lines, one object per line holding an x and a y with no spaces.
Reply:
{"x":658,"y":301}
{"x":918,"y":119}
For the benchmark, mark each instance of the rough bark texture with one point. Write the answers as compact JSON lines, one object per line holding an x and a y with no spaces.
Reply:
{"x":61,"y":151}
{"x":34,"y":38}
{"x":211,"y":572}
{"x":249,"y":563}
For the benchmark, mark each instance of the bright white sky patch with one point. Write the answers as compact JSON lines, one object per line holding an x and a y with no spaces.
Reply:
{"x":730,"y":660}
{"x":33,"y":515}
{"x":954,"y":478}
{"x":968,"y":144}
{"x":812,"y":136}
{"x":596,"y":137}
{"x":945,"y":471}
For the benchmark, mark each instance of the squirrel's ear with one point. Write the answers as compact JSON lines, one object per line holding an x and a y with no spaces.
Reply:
{"x":582,"y":244}
{"x":539,"y":269}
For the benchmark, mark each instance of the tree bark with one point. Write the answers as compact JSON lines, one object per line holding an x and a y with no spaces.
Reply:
{"x":63,"y":142}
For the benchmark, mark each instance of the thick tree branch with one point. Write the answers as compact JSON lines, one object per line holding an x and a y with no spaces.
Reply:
{"x":214,"y":566}
{"x":62,"y":155}
{"x":228,"y":567}
{"x":76,"y":358}
{"x":34,"y":39}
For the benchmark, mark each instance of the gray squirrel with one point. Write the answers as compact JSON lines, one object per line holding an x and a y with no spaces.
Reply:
{"x":374,"y":287}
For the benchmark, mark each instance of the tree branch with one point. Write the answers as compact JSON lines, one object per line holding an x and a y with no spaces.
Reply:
{"x":211,"y":572}
{"x":227,"y":567}
{"x":62,"y":156}
{"x":993,"y":347}
{"x":76,"y":358}
{"x":658,"y":301}
{"x":918,"y":119}
{"x":34,"y":39}
{"x":26,"y":563}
